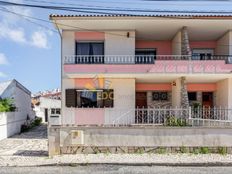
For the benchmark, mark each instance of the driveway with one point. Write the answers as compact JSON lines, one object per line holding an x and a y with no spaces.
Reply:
{"x":31,"y":143}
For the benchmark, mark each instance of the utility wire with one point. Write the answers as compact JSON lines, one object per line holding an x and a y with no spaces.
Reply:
{"x":80,"y":28}
{"x":26,"y":18}
{"x":99,"y":10}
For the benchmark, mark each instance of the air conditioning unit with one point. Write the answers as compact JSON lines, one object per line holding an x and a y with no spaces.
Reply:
{"x":54,"y":120}
{"x":77,"y":137}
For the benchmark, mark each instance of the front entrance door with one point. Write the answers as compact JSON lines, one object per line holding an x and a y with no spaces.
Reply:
{"x":141,"y":100}
{"x":207,"y":99}
{"x":46,"y":115}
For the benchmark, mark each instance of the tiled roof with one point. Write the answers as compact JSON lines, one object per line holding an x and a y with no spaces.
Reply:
{"x":180,"y":15}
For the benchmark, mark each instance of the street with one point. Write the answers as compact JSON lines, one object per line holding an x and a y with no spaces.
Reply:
{"x":116,"y":169}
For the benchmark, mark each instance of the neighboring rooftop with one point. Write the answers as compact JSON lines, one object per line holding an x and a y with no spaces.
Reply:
{"x":4,"y":85}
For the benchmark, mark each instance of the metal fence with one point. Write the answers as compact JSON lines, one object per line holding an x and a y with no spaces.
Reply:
{"x":200,"y":116}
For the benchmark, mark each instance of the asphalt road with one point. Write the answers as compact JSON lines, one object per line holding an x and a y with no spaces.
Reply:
{"x":102,"y":169}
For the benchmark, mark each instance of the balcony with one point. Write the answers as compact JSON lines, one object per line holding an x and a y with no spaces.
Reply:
{"x":141,"y":64}
{"x":139,"y":59}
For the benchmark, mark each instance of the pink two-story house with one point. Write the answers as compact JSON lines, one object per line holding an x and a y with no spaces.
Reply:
{"x":132,"y":70}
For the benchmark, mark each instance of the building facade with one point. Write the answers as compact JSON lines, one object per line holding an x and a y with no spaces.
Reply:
{"x":46,"y":104}
{"x":11,"y":122}
{"x":144,"y":69}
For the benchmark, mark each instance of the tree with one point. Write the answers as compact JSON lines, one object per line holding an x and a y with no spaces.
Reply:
{"x":6,"y":105}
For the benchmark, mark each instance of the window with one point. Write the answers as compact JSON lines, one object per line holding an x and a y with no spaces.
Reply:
{"x":92,"y":52}
{"x":55,"y":111}
{"x":192,"y":96}
{"x":163,"y":96}
{"x":83,"y":98}
{"x":202,"y":54}
{"x":145,"y":55}
{"x":95,"y":98}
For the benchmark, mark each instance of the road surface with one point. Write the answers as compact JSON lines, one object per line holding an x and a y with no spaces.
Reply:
{"x":116,"y":169}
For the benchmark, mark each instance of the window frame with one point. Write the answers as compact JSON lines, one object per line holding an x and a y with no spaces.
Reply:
{"x":103,"y":105}
{"x":160,"y":96}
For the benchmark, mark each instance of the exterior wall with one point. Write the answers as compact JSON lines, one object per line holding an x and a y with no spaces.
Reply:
{"x":203,"y":44}
{"x":168,"y":66}
{"x":67,"y":114}
{"x":10,"y":122}
{"x":23,"y":103}
{"x":176,"y":44}
{"x":119,"y":44}
{"x":208,"y":87}
{"x":68,"y":43}
{"x":89,"y":36}
{"x":153,"y":87}
{"x":162,"y":47}
{"x":46,"y":103}
{"x":124,"y":100}
{"x":224,"y":93}
{"x":224,"y":46}
{"x":176,"y":93}
{"x":150,"y":137}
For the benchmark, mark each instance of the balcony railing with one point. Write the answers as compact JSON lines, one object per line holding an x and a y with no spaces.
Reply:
{"x":137,"y":59}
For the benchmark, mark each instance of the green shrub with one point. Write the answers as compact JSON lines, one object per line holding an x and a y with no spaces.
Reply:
{"x":37,"y":121}
{"x":161,"y":150}
{"x":183,"y":149}
{"x":173,"y":121}
{"x":222,"y":150}
{"x":196,"y":150}
{"x":6,"y":105}
{"x":204,"y":150}
{"x":27,"y":126}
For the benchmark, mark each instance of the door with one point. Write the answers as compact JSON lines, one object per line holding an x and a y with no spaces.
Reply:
{"x":207,"y":99}
{"x":141,"y":100}
{"x":141,"y":105}
{"x":46,"y":115}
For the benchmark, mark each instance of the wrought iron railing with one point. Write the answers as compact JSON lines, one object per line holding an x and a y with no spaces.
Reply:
{"x":201,"y":116}
{"x":137,"y":59}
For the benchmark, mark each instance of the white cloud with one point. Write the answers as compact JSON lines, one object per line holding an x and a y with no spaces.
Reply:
{"x":39,"y":39}
{"x":3,"y":59}
{"x":11,"y":28}
{"x":14,"y":34}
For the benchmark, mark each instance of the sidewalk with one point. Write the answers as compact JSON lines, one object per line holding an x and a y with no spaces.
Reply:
{"x":116,"y":159}
{"x":30,"y":149}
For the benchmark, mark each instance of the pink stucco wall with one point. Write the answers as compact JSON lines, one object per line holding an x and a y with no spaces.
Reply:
{"x":203,"y":44}
{"x":91,"y":36}
{"x":162,"y":47}
{"x":168,"y":66}
{"x":153,"y":87}
{"x":90,"y":116}
{"x":202,"y":87}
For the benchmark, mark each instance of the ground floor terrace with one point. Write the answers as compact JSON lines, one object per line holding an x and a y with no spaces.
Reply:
{"x":122,"y":114}
{"x":155,"y":99}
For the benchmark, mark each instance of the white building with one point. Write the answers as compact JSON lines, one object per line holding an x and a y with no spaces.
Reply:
{"x":46,"y":104}
{"x":11,"y":122}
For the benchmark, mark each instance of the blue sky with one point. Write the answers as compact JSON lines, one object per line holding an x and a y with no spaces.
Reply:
{"x":31,"y":54}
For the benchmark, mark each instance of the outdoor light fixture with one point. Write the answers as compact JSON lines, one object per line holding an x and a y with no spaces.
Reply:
{"x":128,"y":34}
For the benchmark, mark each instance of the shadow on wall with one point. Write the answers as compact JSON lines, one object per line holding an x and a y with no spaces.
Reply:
{"x":39,"y":132}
